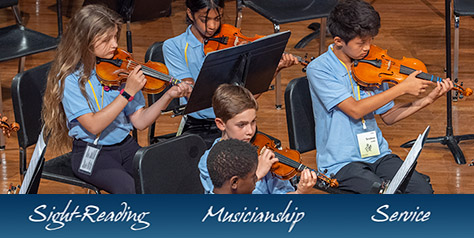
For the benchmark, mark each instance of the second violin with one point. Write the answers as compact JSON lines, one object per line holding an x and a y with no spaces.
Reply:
{"x":228,"y":36}
{"x":114,"y":72}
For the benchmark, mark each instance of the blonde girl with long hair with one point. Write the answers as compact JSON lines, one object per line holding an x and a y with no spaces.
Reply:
{"x":97,"y":122}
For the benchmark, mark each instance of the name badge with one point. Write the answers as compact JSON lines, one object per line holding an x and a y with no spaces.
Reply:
{"x":368,"y":144}
{"x":89,"y":158}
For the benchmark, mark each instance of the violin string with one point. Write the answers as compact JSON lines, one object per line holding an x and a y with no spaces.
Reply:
{"x":287,"y":161}
{"x":152,"y":72}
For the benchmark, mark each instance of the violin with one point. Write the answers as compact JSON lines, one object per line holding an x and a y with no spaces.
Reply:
{"x":289,"y":161}
{"x":114,"y":72}
{"x":227,"y":37}
{"x":377,"y":67}
{"x":7,"y":128}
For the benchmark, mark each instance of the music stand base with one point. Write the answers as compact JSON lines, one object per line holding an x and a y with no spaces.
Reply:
{"x":452,"y":143}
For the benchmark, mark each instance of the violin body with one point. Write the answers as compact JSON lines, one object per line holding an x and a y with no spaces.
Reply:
{"x":228,"y":36}
{"x":289,"y":161}
{"x":114,"y":72}
{"x":283,"y":171}
{"x":378,"y":67}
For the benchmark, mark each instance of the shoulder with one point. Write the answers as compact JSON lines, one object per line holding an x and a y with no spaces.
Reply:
{"x":175,"y":42}
{"x":324,"y":62}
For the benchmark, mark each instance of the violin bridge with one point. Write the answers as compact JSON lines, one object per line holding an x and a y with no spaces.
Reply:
{"x":389,"y":64}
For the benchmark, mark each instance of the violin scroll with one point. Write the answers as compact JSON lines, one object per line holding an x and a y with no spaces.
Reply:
{"x":7,"y":128}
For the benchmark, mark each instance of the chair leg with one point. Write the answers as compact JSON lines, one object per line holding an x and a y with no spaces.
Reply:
{"x":455,"y":94}
{"x":17,"y":13}
{"x":278,"y":90}
{"x":238,"y":15}
{"x":21,"y":64}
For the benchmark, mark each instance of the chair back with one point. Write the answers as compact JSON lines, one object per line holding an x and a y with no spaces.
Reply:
{"x":170,"y":166}
{"x":299,"y":115}
{"x":27,"y":92}
{"x":27,"y":95}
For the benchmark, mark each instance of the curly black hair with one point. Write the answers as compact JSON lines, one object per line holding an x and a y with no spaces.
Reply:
{"x":229,"y":158}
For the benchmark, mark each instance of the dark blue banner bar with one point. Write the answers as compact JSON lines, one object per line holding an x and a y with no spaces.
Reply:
{"x":237,"y":215}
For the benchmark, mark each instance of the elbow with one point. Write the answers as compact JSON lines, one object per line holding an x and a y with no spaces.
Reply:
{"x":355,"y":114}
{"x":93,"y":130}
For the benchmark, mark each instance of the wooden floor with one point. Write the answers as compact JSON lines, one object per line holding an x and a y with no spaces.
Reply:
{"x":410,"y":28}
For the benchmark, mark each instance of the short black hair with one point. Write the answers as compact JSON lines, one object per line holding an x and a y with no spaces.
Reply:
{"x":352,"y":18}
{"x":229,"y":158}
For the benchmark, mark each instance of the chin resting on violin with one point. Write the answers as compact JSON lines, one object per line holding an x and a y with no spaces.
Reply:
{"x":354,"y":148}
{"x":236,"y":118}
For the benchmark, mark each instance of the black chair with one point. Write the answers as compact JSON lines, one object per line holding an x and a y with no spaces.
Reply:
{"x":155,"y":54}
{"x":286,"y":11}
{"x":461,"y":8}
{"x":170,"y":166}
{"x":17,"y":41}
{"x":300,"y":121}
{"x":27,"y":95}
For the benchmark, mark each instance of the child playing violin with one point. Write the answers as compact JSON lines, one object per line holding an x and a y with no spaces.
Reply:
{"x":345,"y":112}
{"x":184,"y":56}
{"x":236,"y":118}
{"x":77,"y":109}
{"x":232,"y":165}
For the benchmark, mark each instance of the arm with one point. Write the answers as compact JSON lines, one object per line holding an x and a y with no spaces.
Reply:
{"x":97,"y":122}
{"x":287,"y":60}
{"x":402,"y":111}
{"x":143,"y":118}
{"x":357,"y":109}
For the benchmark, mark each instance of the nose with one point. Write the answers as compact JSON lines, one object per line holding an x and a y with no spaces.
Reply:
{"x":367,"y":45}
{"x":212,"y":24}
{"x":249,"y":130}
{"x":113,"y":42}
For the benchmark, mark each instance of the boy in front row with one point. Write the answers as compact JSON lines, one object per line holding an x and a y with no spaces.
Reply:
{"x":349,"y":142}
{"x":232,"y":165}
{"x":236,"y":116}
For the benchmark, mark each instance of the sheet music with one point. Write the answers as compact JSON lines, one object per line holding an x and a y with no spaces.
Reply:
{"x":407,"y":164}
{"x":35,"y":158}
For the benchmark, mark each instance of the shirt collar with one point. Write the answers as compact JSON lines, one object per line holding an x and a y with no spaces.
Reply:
{"x":339,"y":66}
{"x":191,"y":38}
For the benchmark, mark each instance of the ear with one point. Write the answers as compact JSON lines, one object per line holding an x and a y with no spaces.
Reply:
{"x":190,"y":14}
{"x":339,"y":42}
{"x":220,"y":124}
{"x":234,"y":182}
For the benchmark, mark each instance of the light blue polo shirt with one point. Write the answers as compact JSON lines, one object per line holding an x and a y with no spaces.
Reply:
{"x":75,"y":105}
{"x":175,"y":53}
{"x":267,"y":185}
{"x":336,"y":132}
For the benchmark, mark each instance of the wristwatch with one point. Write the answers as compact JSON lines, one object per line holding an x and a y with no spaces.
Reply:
{"x":126,"y":95}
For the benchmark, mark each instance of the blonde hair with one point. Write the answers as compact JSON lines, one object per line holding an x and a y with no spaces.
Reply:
{"x":230,"y":100}
{"x":75,"y":52}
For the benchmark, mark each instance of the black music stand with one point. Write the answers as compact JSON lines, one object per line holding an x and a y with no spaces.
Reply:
{"x":251,"y":65}
{"x":449,"y":139}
